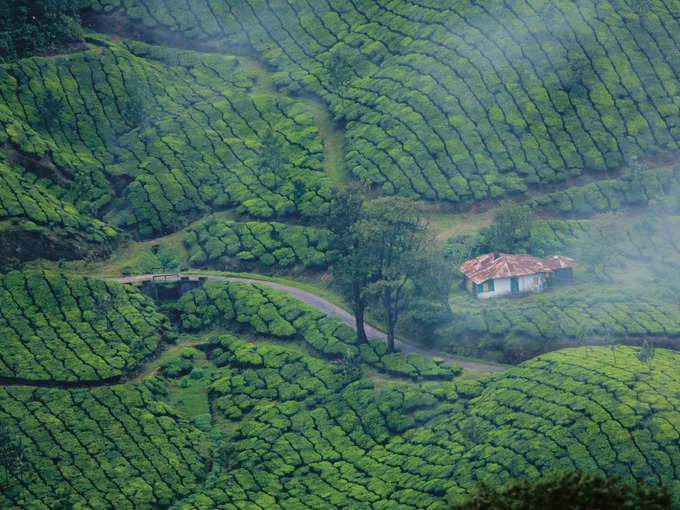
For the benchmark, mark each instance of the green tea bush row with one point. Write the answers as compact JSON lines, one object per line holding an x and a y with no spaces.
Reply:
{"x":346,"y":444}
{"x":267,"y":244}
{"x":109,"y":447}
{"x":69,"y":328}
{"x":614,"y":194}
{"x":516,"y":330}
{"x":463,"y":102}
{"x":153,"y":154}
{"x":29,"y":211}
{"x":309,"y":437}
{"x":277,"y":314}
{"x":590,"y":409}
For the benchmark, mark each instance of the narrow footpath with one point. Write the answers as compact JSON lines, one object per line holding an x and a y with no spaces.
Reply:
{"x":329,"y":309}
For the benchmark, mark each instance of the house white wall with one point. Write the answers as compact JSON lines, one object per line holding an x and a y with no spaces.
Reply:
{"x":502,"y":286}
{"x":531,"y":283}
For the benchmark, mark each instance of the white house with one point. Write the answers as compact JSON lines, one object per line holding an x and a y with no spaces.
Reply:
{"x":499,"y":274}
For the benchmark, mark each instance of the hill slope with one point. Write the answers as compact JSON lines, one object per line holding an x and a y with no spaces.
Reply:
{"x":460,"y":102}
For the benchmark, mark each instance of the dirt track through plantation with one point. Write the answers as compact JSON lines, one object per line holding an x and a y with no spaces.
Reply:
{"x":329,"y":309}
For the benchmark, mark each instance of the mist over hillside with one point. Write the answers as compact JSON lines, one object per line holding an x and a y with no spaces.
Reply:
{"x":235,"y":250}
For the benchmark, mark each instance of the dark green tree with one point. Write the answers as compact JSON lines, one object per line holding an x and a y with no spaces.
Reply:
{"x":398,"y":243}
{"x":50,"y":108}
{"x":135,"y":109}
{"x":29,"y":27}
{"x":511,"y":229}
{"x":12,"y":456}
{"x":579,"y":69}
{"x":340,"y":73}
{"x":272,"y":157}
{"x":635,"y":177}
{"x":569,"y":491}
{"x":349,"y":255}
{"x":646,"y":353}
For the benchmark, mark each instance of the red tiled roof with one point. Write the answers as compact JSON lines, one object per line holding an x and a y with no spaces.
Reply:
{"x":501,"y":265}
{"x":559,"y":262}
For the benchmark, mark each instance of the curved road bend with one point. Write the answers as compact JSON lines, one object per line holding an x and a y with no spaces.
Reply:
{"x":329,"y":309}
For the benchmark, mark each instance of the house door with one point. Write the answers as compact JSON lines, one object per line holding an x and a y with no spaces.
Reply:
{"x":514,"y":285}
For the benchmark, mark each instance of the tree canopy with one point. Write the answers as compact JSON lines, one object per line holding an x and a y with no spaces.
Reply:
{"x":29,"y":27}
{"x":569,"y":491}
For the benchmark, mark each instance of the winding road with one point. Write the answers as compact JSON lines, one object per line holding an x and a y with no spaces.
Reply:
{"x":326,"y":307}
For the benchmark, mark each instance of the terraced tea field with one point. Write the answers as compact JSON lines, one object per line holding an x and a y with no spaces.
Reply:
{"x":58,"y":328}
{"x":132,"y":145}
{"x":465,"y":101}
{"x":253,"y":136}
{"x":268,"y":244}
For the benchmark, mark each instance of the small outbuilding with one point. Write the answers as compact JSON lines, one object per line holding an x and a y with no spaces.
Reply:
{"x":500,"y":274}
{"x":562,"y":268}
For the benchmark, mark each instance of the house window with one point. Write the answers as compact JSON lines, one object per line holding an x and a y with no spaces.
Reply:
{"x":487,"y":286}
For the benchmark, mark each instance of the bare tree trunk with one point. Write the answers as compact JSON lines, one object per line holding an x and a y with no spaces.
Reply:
{"x":359,"y":307}
{"x":390,"y":320}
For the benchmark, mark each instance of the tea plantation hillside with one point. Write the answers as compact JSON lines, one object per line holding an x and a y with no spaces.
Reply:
{"x":32,"y":216}
{"x":275,"y":313}
{"x":461,"y":101}
{"x":158,"y":157}
{"x":270,"y":404}
{"x":268,"y":244}
{"x":57,"y":328}
{"x":109,"y":447}
{"x":146,"y":156}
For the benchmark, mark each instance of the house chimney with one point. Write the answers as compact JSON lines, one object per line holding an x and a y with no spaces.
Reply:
{"x":495,"y":255}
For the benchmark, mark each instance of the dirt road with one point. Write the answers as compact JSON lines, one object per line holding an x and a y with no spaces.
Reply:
{"x":330,"y":309}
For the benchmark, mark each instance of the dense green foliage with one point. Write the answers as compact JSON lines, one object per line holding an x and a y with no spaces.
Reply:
{"x":569,"y":491}
{"x":223,"y":243}
{"x":110,"y":447}
{"x":590,"y":408}
{"x":515,"y":330}
{"x":291,"y":425}
{"x":28,"y":27}
{"x":277,"y":314}
{"x":67,"y":328}
{"x":33,"y":220}
{"x":150,"y":155}
{"x":645,"y":188}
{"x":463,"y":101}
{"x":265,"y":402}
{"x":306,"y":436}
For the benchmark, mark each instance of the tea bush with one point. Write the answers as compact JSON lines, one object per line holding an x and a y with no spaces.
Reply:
{"x":267,"y":244}
{"x":148,"y":156}
{"x":277,"y":314}
{"x":305,"y":436}
{"x":109,"y":447}
{"x":55,"y":327}
{"x":31,"y":217}
{"x":462,"y":102}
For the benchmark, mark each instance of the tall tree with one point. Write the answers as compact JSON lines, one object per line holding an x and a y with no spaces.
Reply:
{"x":397,"y":240}
{"x":272,"y":157}
{"x":350,"y":258}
